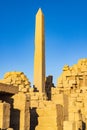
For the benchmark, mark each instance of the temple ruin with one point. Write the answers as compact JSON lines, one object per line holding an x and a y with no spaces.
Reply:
{"x":44,"y":106}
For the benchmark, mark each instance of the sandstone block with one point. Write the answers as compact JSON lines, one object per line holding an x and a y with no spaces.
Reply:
{"x":10,"y":129}
{"x":46,"y":128}
{"x":71,"y":116}
{"x":78,"y":125}
{"x":48,"y":121}
{"x":34,"y":104}
{"x":4,"y":115}
{"x":68,"y":125}
{"x":78,"y":116}
{"x":24,"y":90}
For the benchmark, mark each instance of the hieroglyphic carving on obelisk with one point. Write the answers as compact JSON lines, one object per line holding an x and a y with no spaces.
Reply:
{"x":39,"y":56}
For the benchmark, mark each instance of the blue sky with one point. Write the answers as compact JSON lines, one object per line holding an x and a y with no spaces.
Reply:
{"x":65,"y":34}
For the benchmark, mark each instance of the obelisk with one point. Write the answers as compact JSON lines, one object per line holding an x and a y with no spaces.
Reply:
{"x":39,"y":54}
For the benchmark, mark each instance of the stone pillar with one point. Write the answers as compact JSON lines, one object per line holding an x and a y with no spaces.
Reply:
{"x":21,"y":115}
{"x":4,"y":115}
{"x":39,"y":56}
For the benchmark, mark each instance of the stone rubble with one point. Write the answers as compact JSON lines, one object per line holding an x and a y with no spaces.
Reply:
{"x":17,"y":79}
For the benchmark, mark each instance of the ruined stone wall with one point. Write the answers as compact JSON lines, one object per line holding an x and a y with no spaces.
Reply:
{"x":49,"y":116}
{"x":65,"y":110}
{"x":17,"y":79}
{"x":73,"y":83}
{"x":19,"y":102}
{"x":73,"y":79}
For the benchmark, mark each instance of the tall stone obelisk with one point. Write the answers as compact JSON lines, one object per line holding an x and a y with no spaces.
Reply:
{"x":39,"y":56}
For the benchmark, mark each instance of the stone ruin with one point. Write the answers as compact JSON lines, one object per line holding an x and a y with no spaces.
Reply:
{"x":44,"y":106}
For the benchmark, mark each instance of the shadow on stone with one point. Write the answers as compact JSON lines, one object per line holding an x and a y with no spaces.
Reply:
{"x":14,"y":113}
{"x":48,"y":85}
{"x":35,"y":89}
{"x":15,"y":119}
{"x":33,"y":119}
{"x":83,"y":126}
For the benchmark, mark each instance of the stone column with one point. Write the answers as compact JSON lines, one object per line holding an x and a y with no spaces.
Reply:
{"x":39,"y":56}
{"x":21,"y":114}
{"x":4,"y":115}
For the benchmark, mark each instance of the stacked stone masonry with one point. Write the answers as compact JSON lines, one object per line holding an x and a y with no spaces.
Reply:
{"x":17,"y":79}
{"x":32,"y":110}
{"x":73,"y":79}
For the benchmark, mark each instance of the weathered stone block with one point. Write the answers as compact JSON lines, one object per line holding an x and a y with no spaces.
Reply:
{"x":4,"y":115}
{"x":47,"y":128}
{"x":78,"y":116}
{"x":68,"y":125}
{"x":10,"y":129}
